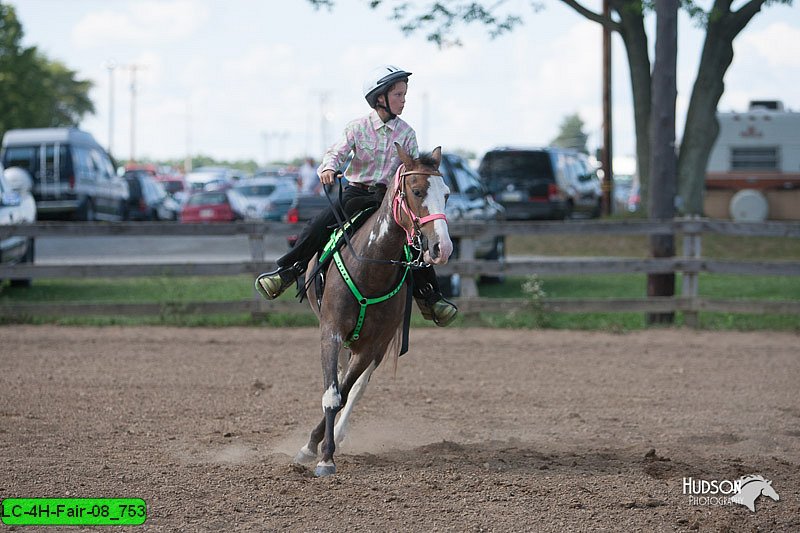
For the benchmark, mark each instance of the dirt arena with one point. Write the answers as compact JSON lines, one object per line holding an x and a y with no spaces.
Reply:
{"x":479,"y":430}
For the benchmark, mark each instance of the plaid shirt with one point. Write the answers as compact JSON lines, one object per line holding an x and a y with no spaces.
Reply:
{"x":375,"y":158}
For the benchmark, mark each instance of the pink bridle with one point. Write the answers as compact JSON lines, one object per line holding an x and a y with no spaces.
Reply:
{"x":400,"y":203}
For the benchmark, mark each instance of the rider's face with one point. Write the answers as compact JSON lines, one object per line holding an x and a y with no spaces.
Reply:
{"x":397,"y":97}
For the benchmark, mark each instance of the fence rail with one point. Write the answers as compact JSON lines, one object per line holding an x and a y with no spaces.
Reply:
{"x":690,"y":264}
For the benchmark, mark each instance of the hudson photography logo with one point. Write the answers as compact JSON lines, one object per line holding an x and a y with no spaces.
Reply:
{"x":743,"y":491}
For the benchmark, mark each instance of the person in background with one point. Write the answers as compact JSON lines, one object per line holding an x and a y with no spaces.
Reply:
{"x":309,"y":180}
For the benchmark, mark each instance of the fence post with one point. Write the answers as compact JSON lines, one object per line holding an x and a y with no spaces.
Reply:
{"x":258,"y":249}
{"x":692,"y":245}
{"x":466,"y":252}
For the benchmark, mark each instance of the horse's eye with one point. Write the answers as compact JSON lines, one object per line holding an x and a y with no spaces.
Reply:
{"x":417,"y":193}
{"x":446,"y":197}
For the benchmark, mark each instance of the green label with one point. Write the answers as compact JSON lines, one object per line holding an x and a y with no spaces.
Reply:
{"x":73,"y":511}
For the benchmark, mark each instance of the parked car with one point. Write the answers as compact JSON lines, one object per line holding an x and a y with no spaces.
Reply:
{"x":267,"y":198}
{"x":469,"y":200}
{"x":149,"y":199}
{"x":211,"y":206}
{"x":212,"y":178}
{"x":17,"y":206}
{"x":542,"y":183}
{"x":175,"y":186}
{"x":73,"y":176}
{"x":626,"y":185}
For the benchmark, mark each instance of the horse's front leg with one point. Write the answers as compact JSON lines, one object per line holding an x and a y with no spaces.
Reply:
{"x":331,"y":400}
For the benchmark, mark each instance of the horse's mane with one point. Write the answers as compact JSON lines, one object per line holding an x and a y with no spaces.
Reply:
{"x":427,"y":160}
{"x":756,"y":477}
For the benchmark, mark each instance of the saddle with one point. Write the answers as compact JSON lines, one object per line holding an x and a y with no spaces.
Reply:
{"x":324,"y":256}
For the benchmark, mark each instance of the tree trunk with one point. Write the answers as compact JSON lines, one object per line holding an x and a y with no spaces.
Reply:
{"x":663,"y":162}
{"x":634,"y":38}
{"x":702,"y":127}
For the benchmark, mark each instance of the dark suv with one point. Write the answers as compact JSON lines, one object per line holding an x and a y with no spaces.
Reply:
{"x":469,"y":200}
{"x":542,"y":183}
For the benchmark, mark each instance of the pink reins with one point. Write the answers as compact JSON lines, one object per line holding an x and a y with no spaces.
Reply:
{"x":399,"y":203}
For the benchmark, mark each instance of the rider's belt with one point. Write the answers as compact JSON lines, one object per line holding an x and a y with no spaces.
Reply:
{"x":362,"y":186}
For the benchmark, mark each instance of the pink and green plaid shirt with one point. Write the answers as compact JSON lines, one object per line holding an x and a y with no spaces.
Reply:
{"x":375,"y":158}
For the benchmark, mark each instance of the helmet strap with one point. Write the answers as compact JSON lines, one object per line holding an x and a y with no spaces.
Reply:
{"x":387,"y":107}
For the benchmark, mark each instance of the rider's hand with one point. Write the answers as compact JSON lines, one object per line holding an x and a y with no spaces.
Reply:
{"x":327,"y":177}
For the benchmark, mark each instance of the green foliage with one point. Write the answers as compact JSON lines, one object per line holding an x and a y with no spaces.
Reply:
{"x":571,"y":134}
{"x":36,"y":92}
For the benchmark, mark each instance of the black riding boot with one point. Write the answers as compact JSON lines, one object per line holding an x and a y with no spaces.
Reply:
{"x":272,"y":284}
{"x":430,"y":301}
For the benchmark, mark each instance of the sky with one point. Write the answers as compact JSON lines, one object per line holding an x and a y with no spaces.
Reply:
{"x":275,"y":80}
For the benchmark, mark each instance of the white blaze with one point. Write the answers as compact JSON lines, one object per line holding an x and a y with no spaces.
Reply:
{"x":435,"y":203}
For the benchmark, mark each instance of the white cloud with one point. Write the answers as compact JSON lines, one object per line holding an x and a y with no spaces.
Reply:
{"x":139,"y":23}
{"x":778,"y":45}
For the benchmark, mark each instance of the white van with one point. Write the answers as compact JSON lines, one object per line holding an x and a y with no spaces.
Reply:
{"x":73,"y":176}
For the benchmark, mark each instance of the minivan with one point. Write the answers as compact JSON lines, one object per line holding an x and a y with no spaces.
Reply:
{"x":73,"y":176}
{"x":542,"y":183}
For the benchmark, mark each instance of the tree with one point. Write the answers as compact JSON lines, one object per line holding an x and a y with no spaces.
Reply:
{"x":36,"y":92}
{"x":723,"y":24}
{"x":663,"y":162}
{"x":571,"y":134}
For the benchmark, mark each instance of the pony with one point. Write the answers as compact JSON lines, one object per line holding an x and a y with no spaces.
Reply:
{"x":751,"y":488}
{"x":412,"y":213}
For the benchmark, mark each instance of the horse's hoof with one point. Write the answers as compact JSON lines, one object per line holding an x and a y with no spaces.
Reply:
{"x":326,"y":469}
{"x":305,"y":456}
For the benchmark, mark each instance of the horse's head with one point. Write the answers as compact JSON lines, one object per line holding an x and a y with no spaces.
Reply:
{"x":767,"y":490}
{"x":418,"y":204}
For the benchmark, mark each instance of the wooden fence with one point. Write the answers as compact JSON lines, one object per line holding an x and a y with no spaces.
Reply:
{"x":690,"y":264}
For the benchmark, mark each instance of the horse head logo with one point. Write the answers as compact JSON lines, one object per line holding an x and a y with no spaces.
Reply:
{"x":750,"y":488}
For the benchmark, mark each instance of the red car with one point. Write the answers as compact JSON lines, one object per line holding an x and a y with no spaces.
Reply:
{"x":215,"y":206}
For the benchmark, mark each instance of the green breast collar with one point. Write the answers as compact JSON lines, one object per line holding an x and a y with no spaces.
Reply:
{"x":332,"y":249}
{"x":362,"y":301}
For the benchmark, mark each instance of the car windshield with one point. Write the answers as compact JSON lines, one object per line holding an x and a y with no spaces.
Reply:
{"x":255,"y":190}
{"x":172,"y":186}
{"x":207,"y":199}
{"x":516,"y":165}
{"x":518,"y":168}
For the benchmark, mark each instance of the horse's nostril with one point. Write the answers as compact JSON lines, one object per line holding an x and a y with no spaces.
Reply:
{"x":436,"y":250}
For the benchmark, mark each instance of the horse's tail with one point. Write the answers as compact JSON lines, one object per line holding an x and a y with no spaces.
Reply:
{"x":394,"y":347}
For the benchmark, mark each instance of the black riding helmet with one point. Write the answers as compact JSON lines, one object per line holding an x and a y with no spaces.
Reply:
{"x":379,"y":81}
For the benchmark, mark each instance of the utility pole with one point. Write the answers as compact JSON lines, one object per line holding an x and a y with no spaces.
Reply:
{"x":133,"y":68}
{"x":608,"y":151}
{"x":425,"y":113}
{"x":111,"y":65}
{"x":323,"y":109}
{"x":187,"y":162}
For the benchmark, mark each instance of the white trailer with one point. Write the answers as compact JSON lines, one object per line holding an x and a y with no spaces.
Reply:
{"x":754,"y":168}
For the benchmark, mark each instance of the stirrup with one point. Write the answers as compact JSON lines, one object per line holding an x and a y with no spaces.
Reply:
{"x":272,"y":284}
{"x":435,"y":307}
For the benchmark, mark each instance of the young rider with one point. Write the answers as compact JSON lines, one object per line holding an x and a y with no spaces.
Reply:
{"x":371,"y":140}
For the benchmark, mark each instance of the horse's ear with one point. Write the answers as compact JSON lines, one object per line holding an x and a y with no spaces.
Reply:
{"x":437,"y":155}
{"x":404,"y":157}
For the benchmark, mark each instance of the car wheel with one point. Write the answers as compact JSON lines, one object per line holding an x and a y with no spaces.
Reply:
{"x":568,"y":210}
{"x":122,"y":210}
{"x":449,"y":286}
{"x":89,"y":214}
{"x":497,"y":254}
{"x":598,"y":209}
{"x":29,"y":257}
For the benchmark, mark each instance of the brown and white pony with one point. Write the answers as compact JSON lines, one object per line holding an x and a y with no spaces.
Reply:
{"x":412,"y":210}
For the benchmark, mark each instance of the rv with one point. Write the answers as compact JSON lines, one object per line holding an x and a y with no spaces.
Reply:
{"x":755,"y":162}
{"x":73,"y":176}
